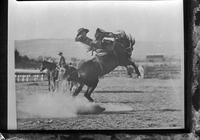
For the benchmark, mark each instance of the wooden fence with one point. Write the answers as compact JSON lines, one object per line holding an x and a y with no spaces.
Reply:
{"x":162,"y":71}
{"x":29,"y":75}
{"x":37,"y":76}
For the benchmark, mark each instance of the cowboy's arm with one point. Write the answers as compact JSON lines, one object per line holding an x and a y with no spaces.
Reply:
{"x":63,"y":61}
{"x":94,"y":45}
{"x":59,"y":63}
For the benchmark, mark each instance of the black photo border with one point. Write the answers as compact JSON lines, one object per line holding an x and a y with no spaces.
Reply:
{"x":187,"y":6}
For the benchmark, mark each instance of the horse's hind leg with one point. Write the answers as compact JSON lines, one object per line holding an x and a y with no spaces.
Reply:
{"x":135,"y":67}
{"x":51,"y":86}
{"x":78,"y":90}
{"x":70,"y":85}
{"x":85,"y":94}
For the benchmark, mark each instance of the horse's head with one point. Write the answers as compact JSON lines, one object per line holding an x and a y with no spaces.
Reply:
{"x":82,"y":32}
{"x":47,"y":65}
{"x":43,"y":65}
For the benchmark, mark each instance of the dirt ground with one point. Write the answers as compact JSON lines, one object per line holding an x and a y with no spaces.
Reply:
{"x":130,"y":104}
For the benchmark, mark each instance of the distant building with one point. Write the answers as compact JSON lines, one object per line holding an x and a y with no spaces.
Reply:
{"x":155,"y":58}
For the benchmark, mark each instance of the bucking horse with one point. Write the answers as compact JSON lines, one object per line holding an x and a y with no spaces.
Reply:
{"x":89,"y":72}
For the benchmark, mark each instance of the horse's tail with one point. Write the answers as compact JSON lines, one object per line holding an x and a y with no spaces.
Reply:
{"x":132,"y":41}
{"x":127,"y":41}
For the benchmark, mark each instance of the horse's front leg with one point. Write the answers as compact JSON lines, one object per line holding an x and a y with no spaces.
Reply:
{"x":90,"y":90}
{"x":71,"y":85}
{"x":51,"y":86}
{"x":49,"y":83}
{"x":78,"y":90}
{"x":135,"y":67}
{"x":54,"y":85}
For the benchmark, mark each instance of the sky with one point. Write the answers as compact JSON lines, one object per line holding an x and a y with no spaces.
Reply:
{"x":144,"y":20}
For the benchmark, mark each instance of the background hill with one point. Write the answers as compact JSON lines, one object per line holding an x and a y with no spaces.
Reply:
{"x":70,"y":48}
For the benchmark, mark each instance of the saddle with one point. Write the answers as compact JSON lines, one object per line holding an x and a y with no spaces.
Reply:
{"x":62,"y":70}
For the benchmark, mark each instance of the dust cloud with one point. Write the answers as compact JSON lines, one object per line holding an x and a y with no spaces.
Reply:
{"x":56,"y":105}
{"x":61,"y":104}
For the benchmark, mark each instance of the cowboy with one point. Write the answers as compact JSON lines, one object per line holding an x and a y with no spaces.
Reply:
{"x":61,"y":65}
{"x":62,"y":62}
{"x":100,"y":44}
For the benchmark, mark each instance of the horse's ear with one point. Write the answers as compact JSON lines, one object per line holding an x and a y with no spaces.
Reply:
{"x":97,"y":30}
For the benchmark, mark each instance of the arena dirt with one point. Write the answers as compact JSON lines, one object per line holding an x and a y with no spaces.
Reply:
{"x":129,"y":104}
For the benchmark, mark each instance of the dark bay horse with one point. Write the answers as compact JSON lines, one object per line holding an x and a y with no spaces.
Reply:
{"x":68,"y":72}
{"x":88,"y":72}
{"x":52,"y":74}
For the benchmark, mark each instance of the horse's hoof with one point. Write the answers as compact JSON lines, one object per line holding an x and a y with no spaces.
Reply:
{"x":73,"y":96}
{"x":91,"y":100}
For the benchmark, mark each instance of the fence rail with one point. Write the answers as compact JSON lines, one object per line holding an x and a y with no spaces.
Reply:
{"x":154,"y":71}
{"x":29,"y":75}
{"x":22,"y":75}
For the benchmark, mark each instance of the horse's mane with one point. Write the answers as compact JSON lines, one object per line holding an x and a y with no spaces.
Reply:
{"x":45,"y":61}
{"x":49,"y":63}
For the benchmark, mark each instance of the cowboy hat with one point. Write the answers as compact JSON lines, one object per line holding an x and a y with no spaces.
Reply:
{"x":81,"y":30}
